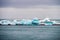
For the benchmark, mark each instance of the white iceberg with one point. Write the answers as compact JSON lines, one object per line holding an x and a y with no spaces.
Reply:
{"x":28,"y":21}
{"x":5,"y":22}
{"x":16,"y":21}
{"x":47,"y":21}
{"x":12,"y":23}
{"x":24,"y":21}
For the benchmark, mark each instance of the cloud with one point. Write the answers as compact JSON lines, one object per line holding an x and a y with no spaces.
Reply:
{"x":41,"y":12}
{"x":27,"y":3}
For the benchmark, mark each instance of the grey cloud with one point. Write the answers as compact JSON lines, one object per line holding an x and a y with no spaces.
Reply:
{"x":25,"y":3}
{"x":20,"y":13}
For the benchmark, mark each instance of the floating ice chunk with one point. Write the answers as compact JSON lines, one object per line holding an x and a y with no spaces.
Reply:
{"x":35,"y":21}
{"x":16,"y":21}
{"x":5,"y":22}
{"x":48,"y":22}
{"x":54,"y":22}
{"x":28,"y":21}
{"x":23,"y":21}
{"x":12,"y":23}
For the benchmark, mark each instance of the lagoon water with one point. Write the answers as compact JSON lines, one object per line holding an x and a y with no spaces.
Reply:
{"x":30,"y":32}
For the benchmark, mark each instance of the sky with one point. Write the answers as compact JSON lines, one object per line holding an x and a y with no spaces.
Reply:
{"x":27,"y":3}
{"x":19,"y":9}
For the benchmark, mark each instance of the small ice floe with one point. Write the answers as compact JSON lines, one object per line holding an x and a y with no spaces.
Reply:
{"x":17,"y":22}
{"x":28,"y":22}
{"x":4,"y":22}
{"x":47,"y":21}
{"x":24,"y":21}
{"x":54,"y":22}
{"x":12,"y":23}
{"x":35,"y":21}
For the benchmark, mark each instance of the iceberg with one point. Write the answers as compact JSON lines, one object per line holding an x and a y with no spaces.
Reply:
{"x":24,"y":21}
{"x":29,"y":21}
{"x":47,"y":21}
{"x":16,"y":21}
{"x":12,"y":23}
{"x":5,"y":22}
{"x":54,"y":22}
{"x":35,"y":21}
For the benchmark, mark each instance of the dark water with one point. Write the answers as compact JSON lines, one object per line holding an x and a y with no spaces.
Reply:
{"x":29,"y":32}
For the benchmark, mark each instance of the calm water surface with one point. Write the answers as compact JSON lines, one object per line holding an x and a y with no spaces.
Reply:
{"x":29,"y":32}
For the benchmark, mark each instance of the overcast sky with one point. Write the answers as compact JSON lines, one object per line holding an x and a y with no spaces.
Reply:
{"x":15,"y":9}
{"x":27,"y":3}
